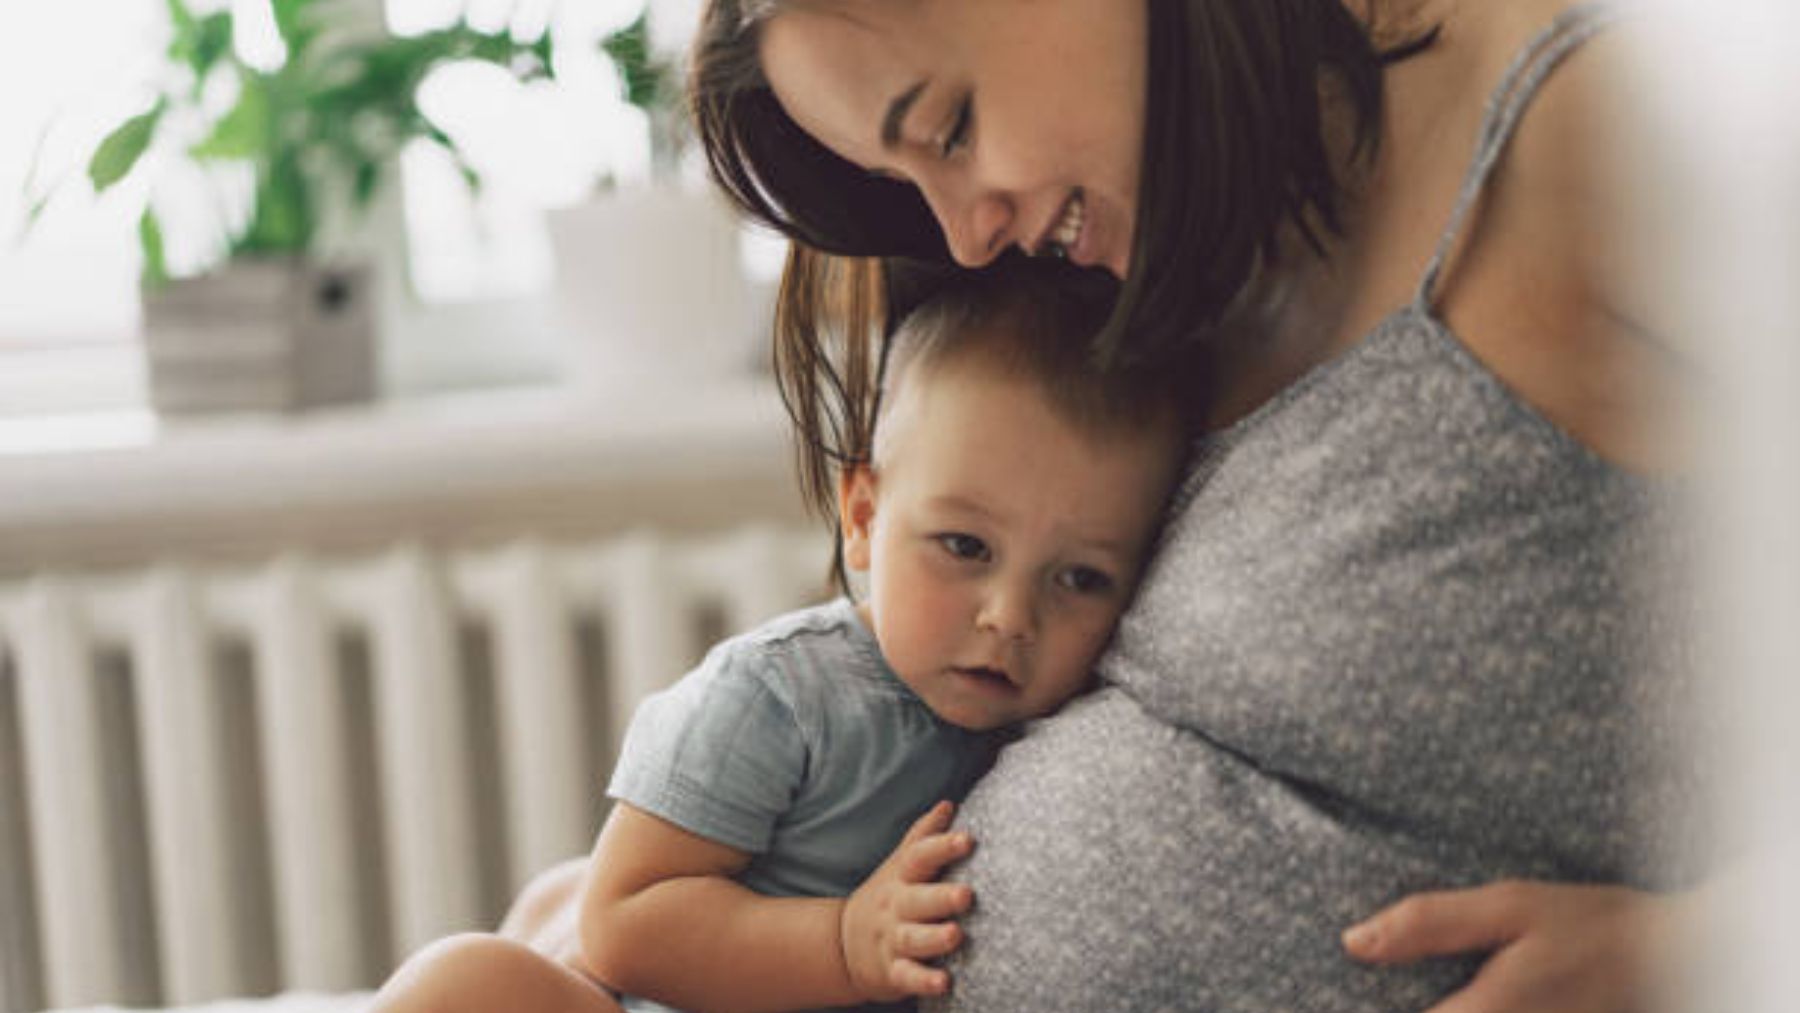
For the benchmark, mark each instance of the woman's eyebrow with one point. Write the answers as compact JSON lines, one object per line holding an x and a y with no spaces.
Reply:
{"x":896,"y":115}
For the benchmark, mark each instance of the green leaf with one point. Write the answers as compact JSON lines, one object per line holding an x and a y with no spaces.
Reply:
{"x":245,"y":131}
{"x":179,"y":16}
{"x":36,"y":198}
{"x":122,"y":148}
{"x":208,"y":40}
{"x":282,"y":221}
{"x":470,"y":177}
{"x":35,"y":212}
{"x":150,"y":238}
{"x":643,"y":74}
{"x":181,"y":39}
{"x":289,"y":20}
{"x":368,"y":177}
{"x":434,"y":133}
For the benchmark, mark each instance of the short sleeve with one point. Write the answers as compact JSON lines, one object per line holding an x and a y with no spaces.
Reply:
{"x":718,"y":754}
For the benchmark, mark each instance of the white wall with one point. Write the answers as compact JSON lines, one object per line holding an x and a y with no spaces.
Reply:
{"x":1720,"y":90}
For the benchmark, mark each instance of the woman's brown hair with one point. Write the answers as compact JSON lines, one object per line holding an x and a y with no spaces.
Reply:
{"x":1234,"y":152}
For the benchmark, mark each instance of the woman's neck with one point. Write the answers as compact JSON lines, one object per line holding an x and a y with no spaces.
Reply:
{"x":1305,"y":307}
{"x":1281,"y":325}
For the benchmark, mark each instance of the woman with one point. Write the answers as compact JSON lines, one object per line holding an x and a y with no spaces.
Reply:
{"x":1389,"y":643}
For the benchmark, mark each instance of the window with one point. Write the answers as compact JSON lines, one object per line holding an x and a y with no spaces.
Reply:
{"x":536,"y":146}
{"x":69,"y":311}
{"x":68,"y":301}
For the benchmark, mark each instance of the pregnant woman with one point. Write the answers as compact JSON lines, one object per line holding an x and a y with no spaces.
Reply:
{"x":1401,"y":643}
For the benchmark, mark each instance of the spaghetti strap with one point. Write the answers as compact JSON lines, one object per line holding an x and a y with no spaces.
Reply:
{"x":1505,"y":107}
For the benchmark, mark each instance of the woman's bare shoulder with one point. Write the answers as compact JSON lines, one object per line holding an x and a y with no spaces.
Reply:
{"x":1544,"y":290}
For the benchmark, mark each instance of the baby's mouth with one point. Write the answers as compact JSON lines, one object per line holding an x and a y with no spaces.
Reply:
{"x":985,"y":674}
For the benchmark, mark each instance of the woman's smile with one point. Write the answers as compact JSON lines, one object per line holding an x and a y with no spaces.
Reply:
{"x":1005,"y":145}
{"x":1065,"y":232}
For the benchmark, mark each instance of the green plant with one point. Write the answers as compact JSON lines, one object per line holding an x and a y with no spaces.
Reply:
{"x":317,"y":131}
{"x":648,"y":80}
{"x":650,"y":83}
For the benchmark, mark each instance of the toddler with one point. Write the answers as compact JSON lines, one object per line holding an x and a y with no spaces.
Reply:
{"x":767,"y":850}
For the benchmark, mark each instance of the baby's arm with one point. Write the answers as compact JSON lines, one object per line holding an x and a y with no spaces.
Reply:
{"x":661,"y":918}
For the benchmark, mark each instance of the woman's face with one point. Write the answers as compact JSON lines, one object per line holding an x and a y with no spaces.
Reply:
{"x":1021,"y":121}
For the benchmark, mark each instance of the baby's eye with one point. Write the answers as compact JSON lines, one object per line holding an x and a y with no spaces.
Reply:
{"x":1085,"y":580}
{"x":964,"y":546}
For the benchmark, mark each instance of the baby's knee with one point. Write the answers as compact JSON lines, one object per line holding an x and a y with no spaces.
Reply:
{"x":461,"y":972}
{"x":549,"y":894}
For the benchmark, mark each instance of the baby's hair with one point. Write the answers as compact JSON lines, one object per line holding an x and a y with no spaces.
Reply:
{"x":1025,"y":319}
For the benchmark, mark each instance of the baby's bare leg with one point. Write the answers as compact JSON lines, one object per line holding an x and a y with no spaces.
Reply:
{"x":545,"y":915}
{"x":480,"y":973}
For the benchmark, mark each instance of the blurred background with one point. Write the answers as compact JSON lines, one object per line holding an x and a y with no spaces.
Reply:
{"x":468,"y":279}
{"x":383,"y":412}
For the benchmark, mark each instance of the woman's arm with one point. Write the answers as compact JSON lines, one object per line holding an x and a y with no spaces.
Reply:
{"x":661,"y":918}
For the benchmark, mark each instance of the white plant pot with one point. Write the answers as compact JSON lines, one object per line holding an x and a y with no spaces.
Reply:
{"x":651,"y":288}
{"x":276,"y":334}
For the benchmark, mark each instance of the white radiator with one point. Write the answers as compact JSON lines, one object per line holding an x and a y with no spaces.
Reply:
{"x":234,"y":782}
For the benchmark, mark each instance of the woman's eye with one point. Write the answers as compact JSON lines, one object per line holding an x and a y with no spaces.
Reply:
{"x":958,"y":134}
{"x":1085,"y":580}
{"x":964,"y":546}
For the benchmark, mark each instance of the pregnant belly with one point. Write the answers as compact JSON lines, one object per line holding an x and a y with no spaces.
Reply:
{"x":1124,"y":865}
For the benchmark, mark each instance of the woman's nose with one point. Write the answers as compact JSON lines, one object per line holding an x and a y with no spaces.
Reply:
{"x":976,"y":222}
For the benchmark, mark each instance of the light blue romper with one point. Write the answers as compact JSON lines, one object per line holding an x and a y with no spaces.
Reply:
{"x":797,"y":743}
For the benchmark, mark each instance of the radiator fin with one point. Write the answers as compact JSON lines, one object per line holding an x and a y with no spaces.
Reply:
{"x":223,"y":781}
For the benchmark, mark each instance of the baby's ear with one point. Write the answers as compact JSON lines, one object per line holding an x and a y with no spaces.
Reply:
{"x":856,"y":514}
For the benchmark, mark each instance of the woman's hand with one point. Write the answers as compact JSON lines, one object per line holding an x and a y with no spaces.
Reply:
{"x":1554,"y":947}
{"x":900,"y":917}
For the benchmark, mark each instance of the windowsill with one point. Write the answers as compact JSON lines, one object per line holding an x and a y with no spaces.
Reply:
{"x":626,"y":413}
{"x":126,"y":488}
{"x":75,"y":432}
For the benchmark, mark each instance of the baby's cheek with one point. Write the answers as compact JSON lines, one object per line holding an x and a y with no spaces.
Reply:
{"x":920,"y":616}
{"x":1096,"y":637}
{"x":944,"y":630}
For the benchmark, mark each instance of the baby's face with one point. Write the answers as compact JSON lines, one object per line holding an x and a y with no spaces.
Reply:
{"x":1001,"y":543}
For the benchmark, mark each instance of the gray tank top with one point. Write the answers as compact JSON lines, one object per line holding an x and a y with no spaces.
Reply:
{"x":1400,"y":635}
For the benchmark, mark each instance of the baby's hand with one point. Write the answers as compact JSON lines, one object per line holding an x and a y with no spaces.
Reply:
{"x":899,"y":917}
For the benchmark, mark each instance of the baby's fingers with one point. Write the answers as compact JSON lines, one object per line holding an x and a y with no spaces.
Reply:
{"x":924,"y":859}
{"x":933,"y":902}
{"x":914,"y":978}
{"x":935,"y":821}
{"x":927,"y":942}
